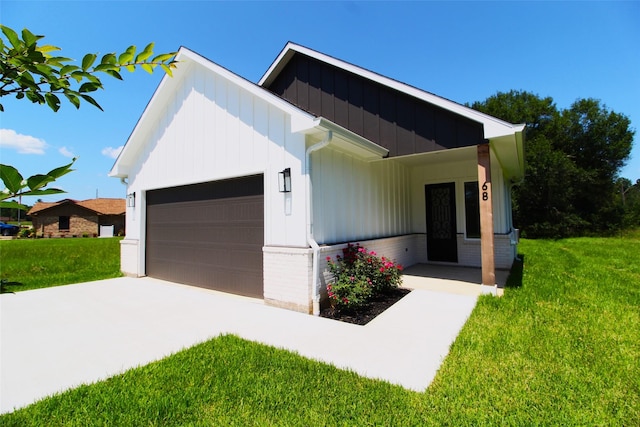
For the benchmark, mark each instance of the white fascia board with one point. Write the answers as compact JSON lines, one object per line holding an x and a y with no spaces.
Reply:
{"x":493,"y":127}
{"x":300,"y":120}
{"x":351,"y":141}
{"x":118,"y":171}
{"x":280,"y":62}
{"x":509,"y":151}
{"x":121,"y":166}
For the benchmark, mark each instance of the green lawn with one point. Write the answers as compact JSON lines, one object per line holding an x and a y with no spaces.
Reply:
{"x":39,"y":263}
{"x":561,"y":347}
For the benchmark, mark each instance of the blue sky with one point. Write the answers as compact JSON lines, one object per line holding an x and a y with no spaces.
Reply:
{"x":463,"y":51}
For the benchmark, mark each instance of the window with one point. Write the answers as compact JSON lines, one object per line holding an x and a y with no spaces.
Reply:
{"x":63,"y":223}
{"x":472,"y":210}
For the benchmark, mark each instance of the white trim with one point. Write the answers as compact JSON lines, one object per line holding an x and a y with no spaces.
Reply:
{"x":351,"y":141}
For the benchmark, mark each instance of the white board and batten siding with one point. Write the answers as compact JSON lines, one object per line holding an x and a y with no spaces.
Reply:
{"x":212,"y":129}
{"x":356,"y":200}
{"x":386,"y":198}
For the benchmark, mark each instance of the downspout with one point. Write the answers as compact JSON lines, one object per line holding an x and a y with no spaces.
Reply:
{"x":311,"y":241}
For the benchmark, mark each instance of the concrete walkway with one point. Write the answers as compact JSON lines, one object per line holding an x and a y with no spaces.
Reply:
{"x":57,"y":338}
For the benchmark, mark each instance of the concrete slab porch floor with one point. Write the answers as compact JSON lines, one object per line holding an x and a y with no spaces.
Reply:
{"x":450,"y":278}
{"x":57,"y":338}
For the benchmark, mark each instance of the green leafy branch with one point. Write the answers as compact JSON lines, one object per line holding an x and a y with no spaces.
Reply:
{"x":31,"y":71}
{"x":17,"y":186}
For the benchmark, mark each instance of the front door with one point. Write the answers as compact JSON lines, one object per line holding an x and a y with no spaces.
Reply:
{"x":442,"y":242}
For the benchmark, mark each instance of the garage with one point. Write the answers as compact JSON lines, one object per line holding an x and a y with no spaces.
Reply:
{"x":208,"y":235}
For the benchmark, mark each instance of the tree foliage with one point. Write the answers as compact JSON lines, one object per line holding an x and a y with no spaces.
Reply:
{"x":31,"y":71}
{"x":17,"y":186}
{"x":573,"y":158}
{"x":627,"y":194}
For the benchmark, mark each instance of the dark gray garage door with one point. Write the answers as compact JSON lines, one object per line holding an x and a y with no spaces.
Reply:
{"x":208,"y":235}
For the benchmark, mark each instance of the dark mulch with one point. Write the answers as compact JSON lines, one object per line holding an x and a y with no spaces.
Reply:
{"x":366,"y":314}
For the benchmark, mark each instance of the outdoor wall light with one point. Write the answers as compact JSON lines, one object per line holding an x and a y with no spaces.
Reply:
{"x":131,"y":200}
{"x":284,"y":181}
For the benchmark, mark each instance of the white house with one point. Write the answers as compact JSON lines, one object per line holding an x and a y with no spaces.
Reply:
{"x":247,"y":188}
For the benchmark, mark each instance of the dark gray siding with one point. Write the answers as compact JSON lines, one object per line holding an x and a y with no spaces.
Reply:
{"x":390,"y":118}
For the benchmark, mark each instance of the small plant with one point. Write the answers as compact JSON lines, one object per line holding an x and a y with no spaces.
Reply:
{"x":359,"y":275}
{"x":26,"y":233}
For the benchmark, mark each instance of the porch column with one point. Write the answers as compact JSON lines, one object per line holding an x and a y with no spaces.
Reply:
{"x":486,"y":216}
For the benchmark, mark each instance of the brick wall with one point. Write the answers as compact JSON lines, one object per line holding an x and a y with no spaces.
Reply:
{"x":288,"y":281}
{"x":288,"y":274}
{"x":79,"y":225}
{"x":469,"y":251}
{"x":129,"y":257}
{"x":48,"y":226}
{"x":287,"y":278}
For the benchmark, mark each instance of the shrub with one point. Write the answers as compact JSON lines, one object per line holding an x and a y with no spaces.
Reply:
{"x":359,"y":275}
{"x":26,"y":233}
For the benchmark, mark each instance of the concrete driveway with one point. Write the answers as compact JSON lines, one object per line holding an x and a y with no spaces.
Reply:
{"x":57,"y":338}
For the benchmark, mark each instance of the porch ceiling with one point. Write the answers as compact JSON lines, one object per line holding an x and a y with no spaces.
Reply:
{"x":506,"y":151}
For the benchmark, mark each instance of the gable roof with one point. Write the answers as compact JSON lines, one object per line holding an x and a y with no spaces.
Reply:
{"x":493,"y":127}
{"x":186,"y":59}
{"x":507,"y":140}
{"x":101,"y":206}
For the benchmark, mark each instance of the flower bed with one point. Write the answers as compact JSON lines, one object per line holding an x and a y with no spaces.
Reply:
{"x":361,"y":280}
{"x":364,"y":314}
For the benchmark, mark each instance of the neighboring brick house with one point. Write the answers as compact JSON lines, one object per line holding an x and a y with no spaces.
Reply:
{"x":73,"y":218}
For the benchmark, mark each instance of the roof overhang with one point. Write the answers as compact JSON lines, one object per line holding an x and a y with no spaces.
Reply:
{"x":509,"y":150}
{"x":346,"y":141}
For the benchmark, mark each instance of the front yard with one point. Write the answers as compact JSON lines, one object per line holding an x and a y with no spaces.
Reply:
{"x":40,"y":263}
{"x":560,"y":348}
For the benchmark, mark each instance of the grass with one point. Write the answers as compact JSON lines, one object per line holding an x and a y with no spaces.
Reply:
{"x":560,"y":348}
{"x":39,"y":263}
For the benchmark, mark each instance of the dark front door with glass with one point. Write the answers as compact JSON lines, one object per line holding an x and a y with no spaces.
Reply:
{"x":442,"y":242}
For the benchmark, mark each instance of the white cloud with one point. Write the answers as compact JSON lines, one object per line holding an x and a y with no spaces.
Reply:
{"x":23,"y":144}
{"x":112,"y":152}
{"x":65,"y":152}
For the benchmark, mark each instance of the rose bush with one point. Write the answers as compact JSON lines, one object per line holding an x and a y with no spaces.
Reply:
{"x":359,"y":275}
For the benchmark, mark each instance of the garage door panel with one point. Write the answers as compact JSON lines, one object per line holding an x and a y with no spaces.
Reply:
{"x":214,"y":255}
{"x":208,"y":235}
{"x":195,"y":235}
{"x":236,"y":210}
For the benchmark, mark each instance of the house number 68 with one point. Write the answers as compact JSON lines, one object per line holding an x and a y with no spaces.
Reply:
{"x":485,"y":193}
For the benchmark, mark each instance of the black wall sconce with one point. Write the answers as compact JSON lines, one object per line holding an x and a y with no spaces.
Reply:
{"x":284,"y":181}
{"x":131,"y":200}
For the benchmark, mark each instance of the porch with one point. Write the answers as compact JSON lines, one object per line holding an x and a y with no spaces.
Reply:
{"x":450,"y":278}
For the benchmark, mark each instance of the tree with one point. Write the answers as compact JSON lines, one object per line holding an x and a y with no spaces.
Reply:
{"x":627,"y":195}
{"x":573,"y":158}
{"x":30,"y":71}
{"x":16,"y":186}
